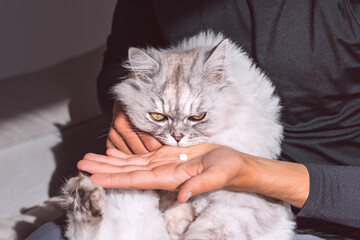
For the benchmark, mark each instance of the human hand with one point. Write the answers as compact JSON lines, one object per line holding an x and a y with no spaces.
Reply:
{"x":123,"y":136}
{"x":209,"y":167}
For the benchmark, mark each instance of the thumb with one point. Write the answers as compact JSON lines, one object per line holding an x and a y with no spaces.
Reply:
{"x":205,"y":182}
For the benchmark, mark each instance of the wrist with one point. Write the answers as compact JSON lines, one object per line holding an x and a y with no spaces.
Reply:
{"x":278,"y":179}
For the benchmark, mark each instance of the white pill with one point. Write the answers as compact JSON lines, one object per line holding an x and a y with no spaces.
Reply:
{"x":183,"y":157}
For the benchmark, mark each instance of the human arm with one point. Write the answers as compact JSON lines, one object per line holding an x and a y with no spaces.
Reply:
{"x":334,"y":195}
{"x":321,"y":192}
{"x":210,"y":167}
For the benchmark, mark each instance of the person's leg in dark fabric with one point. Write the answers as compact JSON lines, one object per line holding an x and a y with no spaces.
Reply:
{"x":53,"y":230}
{"x":306,"y":237}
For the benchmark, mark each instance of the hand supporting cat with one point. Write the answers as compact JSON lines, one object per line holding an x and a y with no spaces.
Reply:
{"x":124,"y":136}
{"x":210,"y":167}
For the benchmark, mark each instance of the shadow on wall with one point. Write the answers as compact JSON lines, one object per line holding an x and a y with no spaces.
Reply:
{"x":60,"y":99}
{"x":77,"y":140}
{"x":38,"y":103}
{"x":50,"y":118}
{"x":84,"y":134}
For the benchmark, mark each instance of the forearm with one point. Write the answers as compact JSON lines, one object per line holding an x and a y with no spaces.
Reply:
{"x":282,"y":180}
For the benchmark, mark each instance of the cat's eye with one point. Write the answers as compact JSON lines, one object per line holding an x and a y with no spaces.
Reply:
{"x":197,"y":117}
{"x":158,"y":117}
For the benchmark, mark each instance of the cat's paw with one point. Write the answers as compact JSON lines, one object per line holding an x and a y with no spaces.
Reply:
{"x":83,"y":200}
{"x":177,"y":219}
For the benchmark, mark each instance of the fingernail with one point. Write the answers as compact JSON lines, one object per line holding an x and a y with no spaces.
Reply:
{"x":188,"y":196}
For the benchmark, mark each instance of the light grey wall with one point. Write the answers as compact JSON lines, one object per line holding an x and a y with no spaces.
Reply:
{"x":50,"y":56}
{"x":35,"y":34}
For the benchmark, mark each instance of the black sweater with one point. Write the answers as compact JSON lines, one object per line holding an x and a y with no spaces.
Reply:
{"x":311,"y":52}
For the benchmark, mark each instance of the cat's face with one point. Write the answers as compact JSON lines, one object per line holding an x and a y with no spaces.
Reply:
{"x":176,"y":97}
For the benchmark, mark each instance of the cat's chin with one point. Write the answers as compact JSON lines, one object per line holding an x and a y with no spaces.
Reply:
{"x":187,"y":144}
{"x":181,"y":143}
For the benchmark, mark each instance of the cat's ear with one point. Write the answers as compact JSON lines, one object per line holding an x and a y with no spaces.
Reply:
{"x":142,"y":64}
{"x":214,"y":64}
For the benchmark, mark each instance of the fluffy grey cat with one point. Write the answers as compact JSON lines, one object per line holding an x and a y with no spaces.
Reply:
{"x":205,"y":89}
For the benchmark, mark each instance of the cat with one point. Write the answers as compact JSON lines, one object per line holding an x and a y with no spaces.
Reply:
{"x":204,"y":89}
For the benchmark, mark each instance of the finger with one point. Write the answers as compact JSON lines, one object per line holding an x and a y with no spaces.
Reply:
{"x":102,"y":167}
{"x":109,"y":144}
{"x":117,"y":153}
{"x":116,"y":160}
{"x":150,"y":142}
{"x":205,"y":182}
{"x":134,"y":142}
{"x":135,"y":179}
{"x":125,"y":129}
{"x":116,"y":140}
{"x":166,"y":177}
{"x":117,"y":108}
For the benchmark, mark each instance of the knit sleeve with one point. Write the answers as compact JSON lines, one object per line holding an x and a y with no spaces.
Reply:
{"x":334,"y":194}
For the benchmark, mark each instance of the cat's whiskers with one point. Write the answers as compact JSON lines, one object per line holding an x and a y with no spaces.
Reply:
{"x":125,"y":138}
{"x":101,"y":136}
{"x":107,"y":130}
{"x":138,"y":135}
{"x":135,"y":131}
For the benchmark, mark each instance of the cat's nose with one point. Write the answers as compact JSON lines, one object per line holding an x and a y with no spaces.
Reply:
{"x":177,"y":137}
